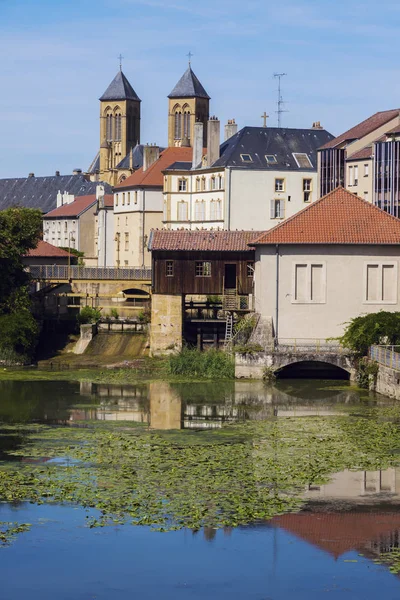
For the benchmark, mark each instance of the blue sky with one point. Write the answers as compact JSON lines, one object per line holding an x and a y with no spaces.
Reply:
{"x":58,"y":56}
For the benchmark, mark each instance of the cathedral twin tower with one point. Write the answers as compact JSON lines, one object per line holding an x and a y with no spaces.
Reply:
{"x":120,"y":124}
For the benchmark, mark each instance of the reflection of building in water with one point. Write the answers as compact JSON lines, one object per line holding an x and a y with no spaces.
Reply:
{"x":358,"y":485}
{"x":337,"y":533}
{"x":165,"y":406}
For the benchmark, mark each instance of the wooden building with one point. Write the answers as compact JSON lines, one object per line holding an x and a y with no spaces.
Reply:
{"x":201,"y":264}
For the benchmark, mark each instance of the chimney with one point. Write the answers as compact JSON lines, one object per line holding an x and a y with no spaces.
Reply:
{"x":317,"y":125}
{"x":230,"y":129}
{"x":197,"y":144}
{"x":57,"y":173}
{"x":76,"y":171}
{"x":151,"y":153}
{"x":59,"y":199}
{"x":100,"y":195}
{"x":31,"y":175}
{"x":213,"y":140}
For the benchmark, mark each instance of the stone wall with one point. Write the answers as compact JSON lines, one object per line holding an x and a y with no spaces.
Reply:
{"x":388,"y":382}
{"x":87,"y":334}
{"x":166,"y":324}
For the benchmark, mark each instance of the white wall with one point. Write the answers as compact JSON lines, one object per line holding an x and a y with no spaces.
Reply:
{"x":61,"y":232}
{"x":344,"y":287}
{"x":251,"y":192}
{"x":105,"y":240}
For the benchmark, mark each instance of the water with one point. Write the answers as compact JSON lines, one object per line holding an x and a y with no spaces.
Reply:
{"x":327,"y":548}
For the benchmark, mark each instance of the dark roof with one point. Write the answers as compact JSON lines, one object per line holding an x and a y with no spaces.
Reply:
{"x":281,"y":143}
{"x":364,"y":153}
{"x":137,"y":158}
{"x":73,"y":209}
{"x":41,"y":192}
{"x":120,"y":89}
{"x":201,"y":240}
{"x":188,"y":87}
{"x":363,"y":128}
{"x":95,"y":164}
{"x":179,"y":166}
{"x":340,"y":217}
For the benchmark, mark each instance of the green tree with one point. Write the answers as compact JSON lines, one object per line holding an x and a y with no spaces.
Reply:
{"x":362,"y":332}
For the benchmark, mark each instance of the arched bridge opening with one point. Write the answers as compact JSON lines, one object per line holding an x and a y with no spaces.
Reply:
{"x":312,"y":369}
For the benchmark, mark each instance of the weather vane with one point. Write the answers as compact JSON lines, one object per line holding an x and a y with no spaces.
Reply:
{"x":120,"y":57}
{"x":189,"y":55}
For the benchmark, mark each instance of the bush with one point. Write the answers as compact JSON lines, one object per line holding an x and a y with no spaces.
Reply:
{"x":89,"y":315}
{"x":144,"y":316}
{"x":374,"y":328}
{"x":18,"y":335}
{"x":114,"y":313}
{"x":248,"y":349}
{"x":367,"y":373}
{"x":212,"y":364}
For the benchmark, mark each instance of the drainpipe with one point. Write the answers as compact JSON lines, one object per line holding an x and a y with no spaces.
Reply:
{"x":143,"y":224}
{"x":277,"y":295}
{"x":228,"y":200}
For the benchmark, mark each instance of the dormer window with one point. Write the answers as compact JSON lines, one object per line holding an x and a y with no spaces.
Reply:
{"x":302,"y":160}
{"x":271,"y":159}
{"x":246,"y":158}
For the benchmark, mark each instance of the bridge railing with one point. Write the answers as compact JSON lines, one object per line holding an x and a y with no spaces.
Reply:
{"x":63,"y":272}
{"x":312,"y":345}
{"x":389,"y":356}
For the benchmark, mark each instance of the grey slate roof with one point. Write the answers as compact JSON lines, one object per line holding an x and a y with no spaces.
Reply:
{"x":120,"y":89}
{"x":278,"y":142}
{"x":137,"y":158}
{"x":180,"y":166}
{"x":188,"y":87}
{"x":41,"y":192}
{"x":95,"y":164}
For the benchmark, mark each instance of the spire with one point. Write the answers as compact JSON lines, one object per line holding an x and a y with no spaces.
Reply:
{"x":189,"y":87}
{"x":120,"y":89}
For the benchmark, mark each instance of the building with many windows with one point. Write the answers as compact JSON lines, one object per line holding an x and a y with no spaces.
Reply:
{"x":258,"y":177}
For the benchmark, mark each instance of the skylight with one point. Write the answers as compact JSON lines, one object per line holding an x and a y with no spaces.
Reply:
{"x":271,"y":159}
{"x":246,"y":158}
{"x":302,"y":160}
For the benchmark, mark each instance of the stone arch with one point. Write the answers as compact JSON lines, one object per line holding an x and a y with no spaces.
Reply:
{"x":313,"y":368}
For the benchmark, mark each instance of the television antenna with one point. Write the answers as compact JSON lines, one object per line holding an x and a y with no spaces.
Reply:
{"x":280,"y":102}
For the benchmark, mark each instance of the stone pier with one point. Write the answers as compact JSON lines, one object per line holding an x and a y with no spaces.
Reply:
{"x":166,"y":324}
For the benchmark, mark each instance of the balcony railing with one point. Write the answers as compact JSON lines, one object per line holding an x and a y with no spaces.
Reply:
{"x":389,"y":356}
{"x":63,"y":272}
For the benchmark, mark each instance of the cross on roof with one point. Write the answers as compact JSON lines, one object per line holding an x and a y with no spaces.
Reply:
{"x":265,"y":117}
{"x":189,"y":55}
{"x":120,"y":57}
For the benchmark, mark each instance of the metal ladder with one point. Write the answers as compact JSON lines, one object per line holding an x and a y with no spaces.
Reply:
{"x":228,"y":329}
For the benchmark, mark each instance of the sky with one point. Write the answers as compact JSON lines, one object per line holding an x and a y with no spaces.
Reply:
{"x":340,"y":57}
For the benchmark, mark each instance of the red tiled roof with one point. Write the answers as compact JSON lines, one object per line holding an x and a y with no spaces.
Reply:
{"x":153,"y":176}
{"x":213,"y":241}
{"x":43,"y":249}
{"x":337,"y":218}
{"x":363,"y":128}
{"x":338,"y":533}
{"x":74,"y":209}
{"x":364,"y":153}
{"x":109,"y":200}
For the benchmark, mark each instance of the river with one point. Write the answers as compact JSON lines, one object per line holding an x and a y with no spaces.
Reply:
{"x":198,"y":491}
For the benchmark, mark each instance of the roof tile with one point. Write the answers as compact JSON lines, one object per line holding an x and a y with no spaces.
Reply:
{"x":74,"y":209}
{"x":337,"y":218}
{"x":153,"y":176}
{"x":202,"y":240}
{"x":363,"y":128}
{"x":44,"y":249}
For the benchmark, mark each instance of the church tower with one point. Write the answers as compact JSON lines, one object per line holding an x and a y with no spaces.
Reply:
{"x":119,"y":125}
{"x":188,"y":103}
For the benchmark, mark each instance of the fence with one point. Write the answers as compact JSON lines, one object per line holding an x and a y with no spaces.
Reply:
{"x":386,"y":355}
{"x":62,"y":272}
{"x":304,"y":345}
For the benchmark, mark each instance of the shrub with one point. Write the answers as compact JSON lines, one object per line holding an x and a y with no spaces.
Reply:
{"x":18,"y":334}
{"x":268,"y":375}
{"x":374,"y":328}
{"x":212,"y":364}
{"x":89,"y":315}
{"x":248,"y":349}
{"x":144,"y":316}
{"x":367,"y":373}
{"x":114,"y":313}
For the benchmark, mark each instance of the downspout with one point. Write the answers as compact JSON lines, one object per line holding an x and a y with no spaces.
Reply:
{"x":228,"y":203}
{"x":277,"y":296}
{"x":143,"y":223}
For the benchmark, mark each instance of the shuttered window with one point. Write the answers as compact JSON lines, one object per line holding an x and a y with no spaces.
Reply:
{"x":309,"y":283}
{"x":182,"y":211}
{"x":380,"y":283}
{"x":277,"y":209}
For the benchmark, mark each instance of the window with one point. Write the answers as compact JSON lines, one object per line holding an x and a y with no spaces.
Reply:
{"x":182,"y":211}
{"x":309,"y":283}
{"x":165,"y":209}
{"x":277,"y":209}
{"x":203,"y":269}
{"x":169,"y":268}
{"x":271,"y":159}
{"x":182,"y":185}
{"x":366,"y":196}
{"x":186,"y":124}
{"x":279,"y":185}
{"x":65,"y":225}
{"x":366,"y":170}
{"x":307,"y":188}
{"x":302,"y":160}
{"x":246,"y":158}
{"x":135,"y":198}
{"x":126,"y":221}
{"x":118,"y":128}
{"x":129,"y":197}
{"x":123,"y":199}
{"x":380,"y":283}
{"x":197,"y":184}
{"x":203,"y":184}
{"x":126,"y":263}
{"x":116,"y":199}
{"x":178,"y":125}
{"x":200,"y":211}
{"x":250,"y":269}
{"x":215,"y":210}
{"x":126,"y":241}
{"x":355,"y":175}
{"x":117,"y":221}
{"x":213,"y":183}
{"x":109,"y":128}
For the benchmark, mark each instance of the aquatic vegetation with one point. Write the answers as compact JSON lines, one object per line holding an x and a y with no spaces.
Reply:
{"x":213,"y":364}
{"x":390,"y":559}
{"x":169,"y":480}
{"x":9,"y":531}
